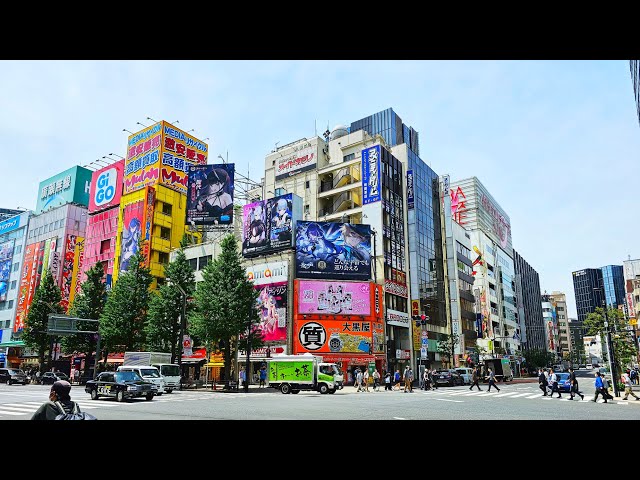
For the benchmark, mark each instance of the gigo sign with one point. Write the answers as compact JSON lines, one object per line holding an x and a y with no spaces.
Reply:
{"x":106,"y":187}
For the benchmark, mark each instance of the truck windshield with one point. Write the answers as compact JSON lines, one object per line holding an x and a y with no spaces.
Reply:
{"x":170,"y":370}
{"x":329,"y":369}
{"x":149,"y":372}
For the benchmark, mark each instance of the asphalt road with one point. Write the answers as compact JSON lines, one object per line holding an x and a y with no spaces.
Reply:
{"x":513,"y":402}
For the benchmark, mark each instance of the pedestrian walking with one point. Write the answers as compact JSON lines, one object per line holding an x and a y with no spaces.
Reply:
{"x":426,"y":378}
{"x":542,"y":382}
{"x":605,"y":387}
{"x":359,"y":381}
{"x":59,"y":395}
{"x":492,"y":380}
{"x":475,"y":377}
{"x":242,"y":377}
{"x":599,"y":388}
{"x":553,"y":383}
{"x":396,"y":377}
{"x":365,"y":379}
{"x":263,"y":376}
{"x":387,"y":381}
{"x":376,"y":380}
{"x":574,"y":385}
{"x":407,"y":379}
{"x":626,"y":379}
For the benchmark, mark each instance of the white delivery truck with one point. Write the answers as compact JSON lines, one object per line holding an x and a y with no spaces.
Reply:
{"x":162,"y":361}
{"x":292,"y":373}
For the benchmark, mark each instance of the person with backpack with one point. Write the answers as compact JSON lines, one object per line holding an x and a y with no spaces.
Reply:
{"x":58,"y":398}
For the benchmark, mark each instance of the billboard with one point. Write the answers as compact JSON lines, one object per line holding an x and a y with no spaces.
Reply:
{"x":23,"y":292}
{"x":272,"y":307}
{"x":371,"y":184}
{"x":70,"y":186}
{"x":210,"y":194}
{"x":132,"y":218}
{"x":106,"y":187}
{"x":301,"y":160}
{"x":10,"y":225}
{"x":331,"y":298}
{"x":268,"y":225}
{"x":161,"y":153}
{"x":333,"y":250}
{"x":69,"y":263}
{"x":342,"y":335}
{"x":410,"y":192}
{"x":268,"y":272}
{"x":6,"y":257}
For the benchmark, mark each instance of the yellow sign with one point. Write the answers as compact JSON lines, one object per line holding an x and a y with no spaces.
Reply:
{"x":633,"y":321}
{"x":417,"y":333}
{"x":415,"y":307}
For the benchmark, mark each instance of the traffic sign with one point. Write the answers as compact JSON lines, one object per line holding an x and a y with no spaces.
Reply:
{"x":424,"y":334}
{"x":425,"y":341}
{"x":423,"y":352}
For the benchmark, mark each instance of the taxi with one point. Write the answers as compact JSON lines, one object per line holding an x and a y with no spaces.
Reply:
{"x":119,"y":385}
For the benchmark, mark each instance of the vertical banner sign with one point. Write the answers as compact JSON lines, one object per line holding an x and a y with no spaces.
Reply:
{"x":410,"y":194}
{"x":6,"y":257}
{"x":630,"y":306}
{"x":21,"y":309}
{"x":36,"y":269}
{"x":371,"y":185}
{"x":77,"y":269}
{"x":47,"y":253}
{"x":67,"y":270}
{"x":132,"y":222}
{"x":149,"y":205}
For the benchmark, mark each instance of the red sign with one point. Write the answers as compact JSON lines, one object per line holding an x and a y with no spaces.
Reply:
{"x":458,"y":206}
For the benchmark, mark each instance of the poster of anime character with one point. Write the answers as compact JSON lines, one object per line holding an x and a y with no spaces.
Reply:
{"x":272,"y":307}
{"x":210,"y":194}
{"x":131,"y":231}
{"x":281,"y":221}
{"x":333,"y":250}
{"x":254,"y":228}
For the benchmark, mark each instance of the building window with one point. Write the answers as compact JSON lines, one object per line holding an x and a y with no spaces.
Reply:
{"x":18,"y":249}
{"x":7,"y":324}
{"x":104,"y":245}
{"x":15,"y":267}
{"x":203,"y":261}
{"x":346,"y":158}
{"x":163,"y":257}
{"x":165,"y":233}
{"x":166,"y":208}
{"x":76,"y":225}
{"x":10,"y":304}
{"x":306,"y":184}
{"x":306,"y":209}
{"x":193,"y":263}
{"x":14,"y":284}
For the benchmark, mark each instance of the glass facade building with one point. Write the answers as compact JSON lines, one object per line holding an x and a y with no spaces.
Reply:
{"x":587,"y":287}
{"x":423,"y":219}
{"x":531,"y":300}
{"x":613,"y":279}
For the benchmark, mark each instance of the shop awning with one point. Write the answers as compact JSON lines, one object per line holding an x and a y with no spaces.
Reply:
{"x":214,"y":364}
{"x":13,"y":343}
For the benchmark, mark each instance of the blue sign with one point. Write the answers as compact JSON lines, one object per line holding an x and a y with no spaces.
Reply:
{"x":10,"y":225}
{"x":410,"y":194}
{"x":479,"y":325}
{"x":371,"y":185}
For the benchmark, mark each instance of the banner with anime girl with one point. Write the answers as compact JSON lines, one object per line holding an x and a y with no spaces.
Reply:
{"x":272,"y":308}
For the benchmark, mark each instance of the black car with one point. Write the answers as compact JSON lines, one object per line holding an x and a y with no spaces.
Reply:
{"x":120,"y":385}
{"x":49,"y":378}
{"x":13,"y":375}
{"x":448,"y":377}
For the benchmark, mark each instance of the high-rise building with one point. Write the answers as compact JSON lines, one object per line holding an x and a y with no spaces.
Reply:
{"x":634,"y":66}
{"x":559,"y":300}
{"x":587,"y":287}
{"x":529,"y":301}
{"x":494,"y":288}
{"x":613,"y":280}
{"x":550,"y":316}
{"x":576,"y":330}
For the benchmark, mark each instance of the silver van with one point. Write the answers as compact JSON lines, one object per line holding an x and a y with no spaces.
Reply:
{"x":148,"y":373}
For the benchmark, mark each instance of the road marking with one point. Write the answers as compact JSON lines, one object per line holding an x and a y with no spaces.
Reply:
{"x":16,"y":406}
{"x":447,"y":400}
{"x":623,"y":402}
{"x":398,"y":418}
{"x":507,"y":394}
{"x":536,"y":395}
{"x":6,"y":412}
{"x":517,"y":395}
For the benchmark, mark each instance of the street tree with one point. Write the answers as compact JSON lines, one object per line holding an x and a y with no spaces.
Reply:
{"x":447,"y":345}
{"x":165,"y":307}
{"x":46,"y":300}
{"x":624,"y":350}
{"x":125,"y":313}
{"x":226,"y":305}
{"x":89,"y":303}
{"x":538,"y":358}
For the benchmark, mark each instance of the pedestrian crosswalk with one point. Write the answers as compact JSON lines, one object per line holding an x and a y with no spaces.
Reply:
{"x":520,"y":393}
{"x":28,"y":407}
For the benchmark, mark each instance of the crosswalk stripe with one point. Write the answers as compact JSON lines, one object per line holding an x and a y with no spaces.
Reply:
{"x":5,"y":412}
{"x":517,"y":395}
{"x":508,"y":394}
{"x":536,"y":395}
{"x":15,"y":406}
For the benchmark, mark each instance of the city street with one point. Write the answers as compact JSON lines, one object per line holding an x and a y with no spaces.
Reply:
{"x":515,"y":401}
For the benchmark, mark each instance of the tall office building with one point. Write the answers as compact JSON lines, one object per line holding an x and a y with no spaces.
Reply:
{"x":587,"y":287}
{"x":559,"y":300}
{"x":613,"y":280}
{"x":634,"y":66}
{"x":529,"y":301}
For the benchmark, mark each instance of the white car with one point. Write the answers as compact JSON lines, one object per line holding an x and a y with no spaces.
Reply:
{"x":466,"y":374}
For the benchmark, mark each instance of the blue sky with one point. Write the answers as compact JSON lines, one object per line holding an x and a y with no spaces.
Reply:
{"x":557,"y":143}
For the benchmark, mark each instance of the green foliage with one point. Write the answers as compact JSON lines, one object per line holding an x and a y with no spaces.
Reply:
{"x":46,"y":300}
{"x":165,"y":307}
{"x":89,"y":303}
{"x":538,"y":358}
{"x":225,"y":303}
{"x":125,"y":313}
{"x":446,"y":346}
{"x":624,"y":350}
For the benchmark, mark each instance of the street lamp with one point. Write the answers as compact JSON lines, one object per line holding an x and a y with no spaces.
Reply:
{"x":183,"y":326}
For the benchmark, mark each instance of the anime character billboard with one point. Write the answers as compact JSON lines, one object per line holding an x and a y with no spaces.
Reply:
{"x":268,"y":225}
{"x":333,"y":250}
{"x":210,"y":194}
{"x":132,"y":217}
{"x":272,"y":307}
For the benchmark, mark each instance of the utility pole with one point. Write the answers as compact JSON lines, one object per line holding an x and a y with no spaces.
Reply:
{"x":183,"y":327}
